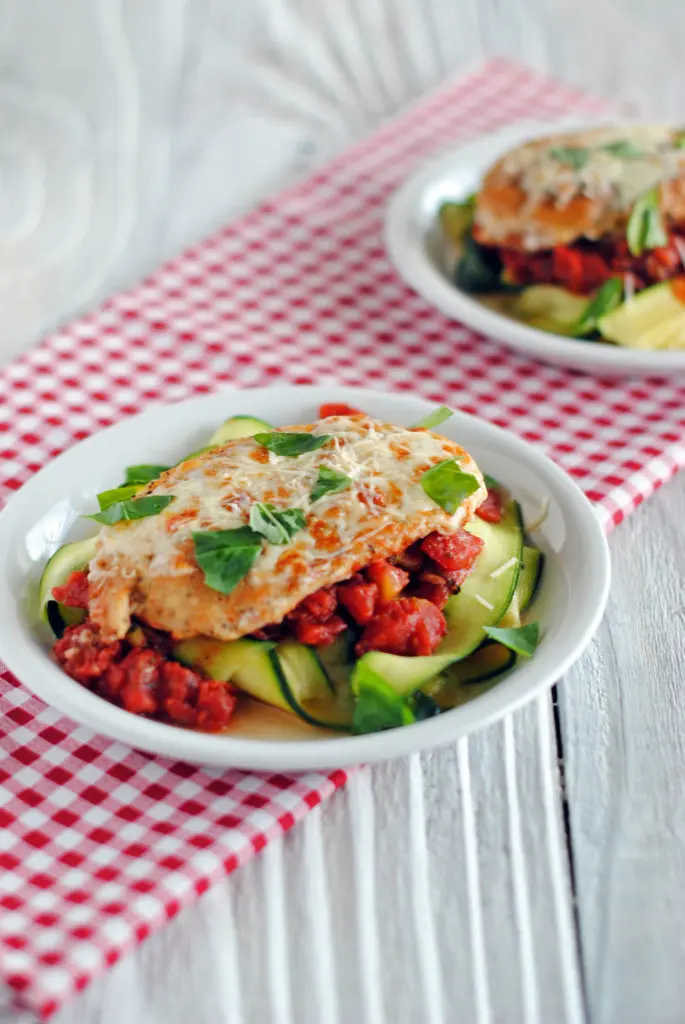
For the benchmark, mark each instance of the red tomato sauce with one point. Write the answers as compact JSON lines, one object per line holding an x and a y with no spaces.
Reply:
{"x":142,"y":679}
{"x":585,"y":266}
{"x":395,"y":605}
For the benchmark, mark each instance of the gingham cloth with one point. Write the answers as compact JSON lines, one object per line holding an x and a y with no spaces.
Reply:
{"x":99,"y":845}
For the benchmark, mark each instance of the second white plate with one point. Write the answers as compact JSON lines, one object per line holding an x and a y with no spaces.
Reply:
{"x":413,"y":247}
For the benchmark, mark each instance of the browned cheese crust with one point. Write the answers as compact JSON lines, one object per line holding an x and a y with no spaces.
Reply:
{"x":537,"y":196}
{"x":147,"y":567}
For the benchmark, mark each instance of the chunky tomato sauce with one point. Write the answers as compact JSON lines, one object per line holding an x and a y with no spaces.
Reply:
{"x":137,"y":673}
{"x":585,"y":266}
{"x":393,"y":605}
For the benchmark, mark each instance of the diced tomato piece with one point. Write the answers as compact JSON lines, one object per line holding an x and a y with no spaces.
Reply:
{"x":453,"y":551}
{"x":411,"y":558}
{"x":216,"y":703}
{"x":435,"y":590}
{"x":678,"y":286}
{"x":389,"y":579}
{"x":139,"y":692}
{"x":179,"y":692}
{"x":454,"y":578}
{"x":73,"y":593}
{"x":491,"y":509}
{"x":314,"y":633}
{"x":662,"y":263}
{"x":407,"y":626}
{"x":83,"y":654}
{"x":338,"y":409}
{"x":317,"y":607}
{"x":359,"y":598}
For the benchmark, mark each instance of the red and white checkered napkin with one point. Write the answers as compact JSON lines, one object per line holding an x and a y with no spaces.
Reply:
{"x":98,"y":844}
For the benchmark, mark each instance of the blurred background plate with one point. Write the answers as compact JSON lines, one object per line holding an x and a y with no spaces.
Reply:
{"x":414,"y":246}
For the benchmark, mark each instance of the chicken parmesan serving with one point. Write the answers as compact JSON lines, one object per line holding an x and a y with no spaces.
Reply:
{"x":357,"y":574}
{"x":581,"y":234}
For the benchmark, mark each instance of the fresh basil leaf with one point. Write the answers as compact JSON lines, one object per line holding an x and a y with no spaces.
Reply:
{"x":377,"y":705}
{"x":604,"y":301}
{"x":521,"y":639}
{"x":226,"y":556}
{"x":623,"y":148}
{"x":457,"y":218}
{"x":679,"y":140}
{"x":422,"y":706}
{"x":645,"y":228}
{"x":144,"y":473}
{"x":293,"y":519}
{"x":139,"y":508}
{"x":491,"y":483}
{"x":572,"y":156}
{"x":123,"y":493}
{"x":479,"y":269}
{"x":329,"y":481}
{"x":447,"y":485}
{"x":277,"y":525}
{"x":434,"y":419}
{"x":292,"y":444}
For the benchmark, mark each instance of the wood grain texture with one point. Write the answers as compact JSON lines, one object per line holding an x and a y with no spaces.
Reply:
{"x":431,"y":890}
{"x":435,"y":889}
{"x":623,"y":719}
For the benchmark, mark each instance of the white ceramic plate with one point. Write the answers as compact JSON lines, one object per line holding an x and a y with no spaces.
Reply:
{"x":45,"y":514}
{"x":413,"y":245}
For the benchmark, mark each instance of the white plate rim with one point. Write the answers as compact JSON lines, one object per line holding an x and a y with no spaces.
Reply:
{"x":401,"y":225}
{"x":51,"y":685}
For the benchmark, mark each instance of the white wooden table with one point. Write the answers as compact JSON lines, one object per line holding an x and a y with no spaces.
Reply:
{"x":536,"y":872}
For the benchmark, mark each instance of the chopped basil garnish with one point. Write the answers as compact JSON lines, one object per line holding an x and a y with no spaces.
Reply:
{"x":291,"y":444}
{"x":645,"y":226}
{"x":607,"y":299}
{"x":144,"y":473}
{"x":521,"y":639}
{"x":277,"y":525}
{"x":139,"y":508}
{"x":378,"y":706}
{"x":491,"y":483}
{"x":457,"y":218}
{"x":623,"y":147}
{"x":679,"y":141}
{"x":447,"y":485}
{"x":434,"y":419}
{"x":226,"y":556}
{"x":422,"y":706}
{"x":329,"y":481}
{"x":572,"y":156}
{"x":479,"y":269}
{"x":123,"y":493}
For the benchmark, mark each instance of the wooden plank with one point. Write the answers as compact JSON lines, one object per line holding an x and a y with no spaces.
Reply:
{"x":432,"y":889}
{"x":623,"y":728}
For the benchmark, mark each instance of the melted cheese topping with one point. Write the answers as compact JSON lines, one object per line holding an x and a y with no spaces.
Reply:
{"x":615,"y":179}
{"x":384,"y":509}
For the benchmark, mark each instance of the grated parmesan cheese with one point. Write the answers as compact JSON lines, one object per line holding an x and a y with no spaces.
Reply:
{"x":629,"y":286}
{"x":503,"y":568}
{"x":216,"y":490}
